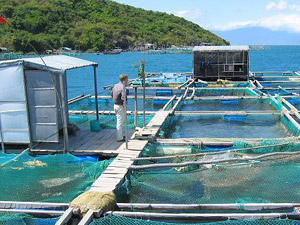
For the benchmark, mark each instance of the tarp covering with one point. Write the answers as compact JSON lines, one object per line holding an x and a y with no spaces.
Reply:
{"x":221,"y":48}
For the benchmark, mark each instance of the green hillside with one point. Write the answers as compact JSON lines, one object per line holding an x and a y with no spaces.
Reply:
{"x":93,"y":25}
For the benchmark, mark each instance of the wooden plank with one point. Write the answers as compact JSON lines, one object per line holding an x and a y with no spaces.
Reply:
{"x":87,"y":219}
{"x":64,"y":219}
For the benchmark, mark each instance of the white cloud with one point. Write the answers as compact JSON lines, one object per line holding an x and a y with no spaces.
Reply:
{"x":189,"y":14}
{"x":288,"y":22}
{"x":182,"y":13}
{"x":282,"y":5}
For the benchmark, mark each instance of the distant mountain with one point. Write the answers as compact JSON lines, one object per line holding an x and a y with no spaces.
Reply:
{"x":94,"y":25}
{"x":259,"y":36}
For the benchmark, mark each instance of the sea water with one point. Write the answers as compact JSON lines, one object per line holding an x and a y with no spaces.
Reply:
{"x":80,"y":81}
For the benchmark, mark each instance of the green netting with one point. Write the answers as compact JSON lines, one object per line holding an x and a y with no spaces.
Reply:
{"x":113,"y":220}
{"x":228,"y":126}
{"x":223,"y":92}
{"x":24,"y":219}
{"x":51,"y":178}
{"x":273,"y":180}
{"x":288,"y":145}
{"x":265,"y":146}
{"x":256,"y":104}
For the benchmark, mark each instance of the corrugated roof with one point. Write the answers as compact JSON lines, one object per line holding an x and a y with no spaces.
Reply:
{"x":221,"y":48}
{"x":57,"y":62}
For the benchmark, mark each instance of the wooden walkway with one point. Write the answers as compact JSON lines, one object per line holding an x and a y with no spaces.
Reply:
{"x":86,"y":142}
{"x":116,"y":172}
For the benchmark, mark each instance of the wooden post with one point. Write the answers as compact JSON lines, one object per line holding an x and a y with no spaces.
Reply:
{"x":64,"y":111}
{"x":96,"y":93}
{"x":135,"y":107}
{"x":125,"y":109}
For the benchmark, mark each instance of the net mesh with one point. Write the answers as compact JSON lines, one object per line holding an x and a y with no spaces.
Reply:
{"x":24,"y":219}
{"x":229,"y":105}
{"x":223,"y":92}
{"x":240,"y":182}
{"x":114,"y":219}
{"x":107,"y":121}
{"x":51,"y":178}
{"x":228,"y":126}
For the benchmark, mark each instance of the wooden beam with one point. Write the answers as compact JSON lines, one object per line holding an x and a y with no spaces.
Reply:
{"x":49,"y":213}
{"x":207,"y":153}
{"x":246,"y":206}
{"x":205,"y":216}
{"x":64,"y":219}
{"x":32,"y":205}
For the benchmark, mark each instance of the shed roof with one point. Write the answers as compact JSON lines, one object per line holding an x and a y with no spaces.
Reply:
{"x":221,"y":48}
{"x":57,"y":62}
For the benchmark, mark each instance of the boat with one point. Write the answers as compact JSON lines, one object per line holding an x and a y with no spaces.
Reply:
{"x":114,"y":51}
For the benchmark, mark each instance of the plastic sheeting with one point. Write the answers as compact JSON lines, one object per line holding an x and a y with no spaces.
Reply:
{"x":13,"y":112}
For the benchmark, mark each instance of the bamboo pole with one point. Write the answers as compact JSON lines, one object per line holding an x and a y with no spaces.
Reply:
{"x":185,"y":92}
{"x":207,"y":153}
{"x":245,"y":207}
{"x":293,"y":109}
{"x":169,"y":102}
{"x":258,"y":84}
{"x":186,"y":82}
{"x":204,"y":216}
{"x":192,"y":95}
{"x":78,"y":98}
{"x":168,"y":165}
{"x":176,"y":104}
{"x":291,"y":119}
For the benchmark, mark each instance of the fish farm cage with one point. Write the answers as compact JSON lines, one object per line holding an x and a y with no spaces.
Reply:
{"x":199,"y":152}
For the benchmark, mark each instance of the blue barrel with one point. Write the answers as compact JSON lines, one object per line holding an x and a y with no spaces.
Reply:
{"x":88,"y":158}
{"x":164,"y":92}
{"x":95,"y":125}
{"x":159,"y":101}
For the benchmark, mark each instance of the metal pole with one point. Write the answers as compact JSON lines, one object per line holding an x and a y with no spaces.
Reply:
{"x":135,"y":107}
{"x":144,"y":104}
{"x":2,"y":141}
{"x":96,"y":93}
{"x":125,"y":109}
{"x":64,"y":115}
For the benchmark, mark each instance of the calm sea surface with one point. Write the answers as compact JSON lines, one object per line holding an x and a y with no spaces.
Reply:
{"x":80,"y":81}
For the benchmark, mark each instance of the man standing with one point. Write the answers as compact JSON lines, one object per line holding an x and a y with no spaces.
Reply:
{"x":118,"y":98}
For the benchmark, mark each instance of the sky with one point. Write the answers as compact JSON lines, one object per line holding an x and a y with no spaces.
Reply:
{"x":279,"y":15}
